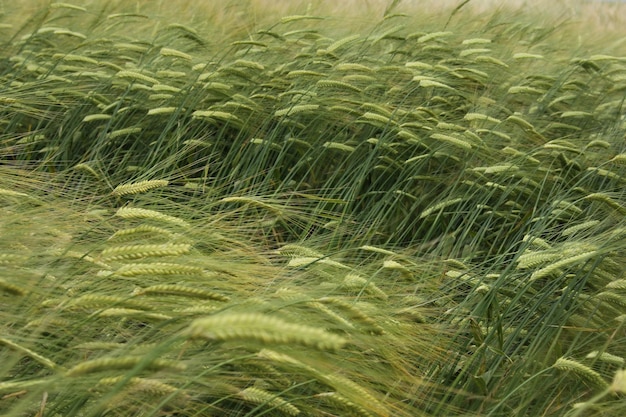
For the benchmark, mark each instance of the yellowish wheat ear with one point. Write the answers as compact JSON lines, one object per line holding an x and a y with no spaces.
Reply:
{"x":261,"y":328}
{"x":105,"y":301}
{"x":272,"y":401}
{"x":123,"y":363}
{"x":357,"y":282}
{"x":158,"y":268}
{"x":353,"y":312}
{"x":619,"y":382}
{"x":150,"y":386}
{"x":133,"y":313}
{"x":606,"y":357}
{"x":181,"y":290}
{"x":338,"y":399}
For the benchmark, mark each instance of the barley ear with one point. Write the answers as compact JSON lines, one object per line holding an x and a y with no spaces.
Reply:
{"x":122,"y":252}
{"x":619,"y":382}
{"x":123,"y":363}
{"x":261,"y":328}
{"x":138,"y":187}
{"x":11,"y":288}
{"x":150,"y":386}
{"x":583,"y":372}
{"x":262,"y":397}
{"x":33,"y":355}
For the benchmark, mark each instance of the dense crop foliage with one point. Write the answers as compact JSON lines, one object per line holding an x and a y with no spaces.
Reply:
{"x":402,"y":215}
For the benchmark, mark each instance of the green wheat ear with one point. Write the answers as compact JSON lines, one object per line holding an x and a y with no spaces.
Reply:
{"x":138,"y":187}
{"x":11,"y":289}
{"x":122,"y":252}
{"x":30,"y":353}
{"x":582,"y":371}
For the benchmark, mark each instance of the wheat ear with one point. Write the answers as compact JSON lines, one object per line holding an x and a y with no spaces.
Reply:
{"x":354,"y":313}
{"x":131,"y":312}
{"x":144,"y":251}
{"x":582,"y":371}
{"x":563,"y":262}
{"x":150,"y":386}
{"x":606,"y":357}
{"x":139,"y":213}
{"x":263,"y":329}
{"x":37,"y":357}
{"x":352,"y":408}
{"x":11,"y":288}
{"x":121,"y":363}
{"x":181,"y":290}
{"x":158,"y":268}
{"x":272,"y":401}
{"x":138,"y":187}
{"x":100,"y":301}
{"x":353,"y":281}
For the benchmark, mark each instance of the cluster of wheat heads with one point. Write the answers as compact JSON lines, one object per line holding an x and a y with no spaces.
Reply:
{"x":146,"y":307}
{"x":257,"y":216}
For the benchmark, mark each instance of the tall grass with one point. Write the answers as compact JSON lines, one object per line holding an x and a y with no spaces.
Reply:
{"x":291,"y":210}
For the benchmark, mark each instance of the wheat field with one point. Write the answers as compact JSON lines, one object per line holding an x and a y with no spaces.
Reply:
{"x":312,"y":208}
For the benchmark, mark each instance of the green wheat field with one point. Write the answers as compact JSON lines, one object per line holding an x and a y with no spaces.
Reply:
{"x":294,"y":208}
